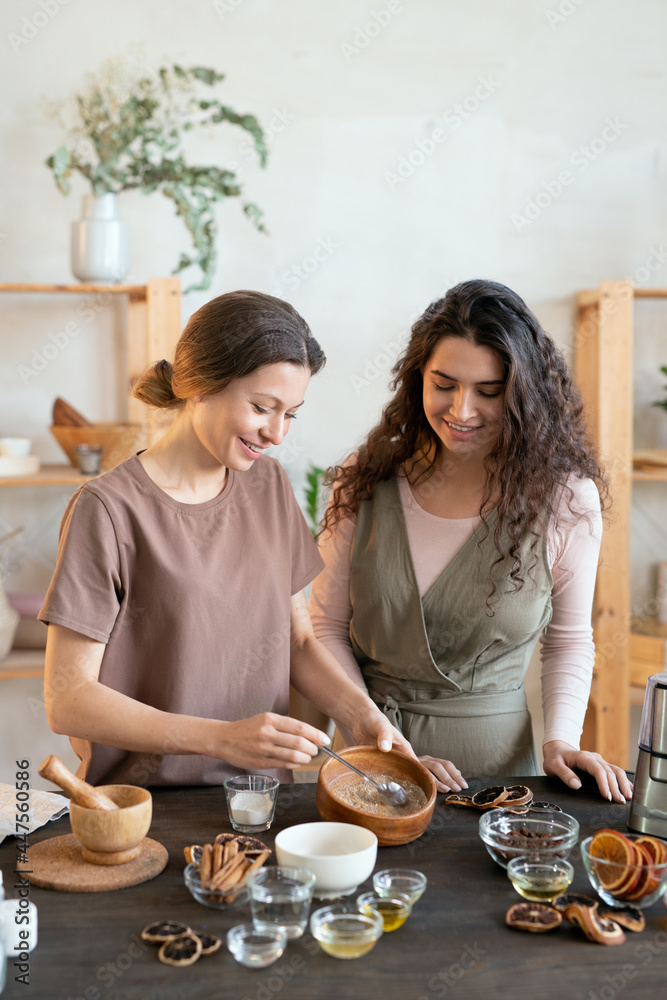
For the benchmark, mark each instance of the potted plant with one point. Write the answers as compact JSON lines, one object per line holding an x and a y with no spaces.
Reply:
{"x":128,"y":133}
{"x":313,"y":497}
{"x":662,"y":402}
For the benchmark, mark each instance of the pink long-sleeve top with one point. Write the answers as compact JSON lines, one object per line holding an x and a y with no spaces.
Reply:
{"x":566,"y":647}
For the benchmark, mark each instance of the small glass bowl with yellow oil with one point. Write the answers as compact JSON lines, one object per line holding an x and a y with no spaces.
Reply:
{"x":540,"y":879}
{"x":407,"y":880}
{"x":394,"y":907}
{"x":343,"y":932}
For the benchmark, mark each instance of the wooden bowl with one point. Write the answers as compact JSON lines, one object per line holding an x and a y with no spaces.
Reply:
{"x":113,"y":837}
{"x":118,"y":441}
{"x":389,"y":830}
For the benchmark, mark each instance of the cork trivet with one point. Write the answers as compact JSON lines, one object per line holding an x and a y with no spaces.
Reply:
{"x":58,"y":864}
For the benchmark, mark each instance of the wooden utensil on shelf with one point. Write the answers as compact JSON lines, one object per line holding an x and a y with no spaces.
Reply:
{"x":66,"y":416}
{"x":53,"y":769}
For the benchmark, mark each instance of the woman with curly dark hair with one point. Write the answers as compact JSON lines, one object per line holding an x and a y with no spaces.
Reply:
{"x":466,"y":526}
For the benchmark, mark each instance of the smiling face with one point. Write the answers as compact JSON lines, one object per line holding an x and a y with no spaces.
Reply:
{"x":237,"y":424}
{"x":463,"y":396}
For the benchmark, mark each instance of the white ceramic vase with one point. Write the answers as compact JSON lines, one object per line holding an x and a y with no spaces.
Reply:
{"x":99,"y":241}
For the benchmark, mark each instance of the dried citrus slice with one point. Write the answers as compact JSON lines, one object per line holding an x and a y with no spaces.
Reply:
{"x":164,"y":930}
{"x":627,"y":916}
{"x":488,"y":798}
{"x":209,"y":942}
{"x":182,"y":950}
{"x":644,"y":878}
{"x":518,"y":795}
{"x":656,"y":849}
{"x":612,"y":845}
{"x":458,"y":799}
{"x":562,"y":902}
{"x":595,"y":927}
{"x":533,"y":917}
{"x":616,"y":855}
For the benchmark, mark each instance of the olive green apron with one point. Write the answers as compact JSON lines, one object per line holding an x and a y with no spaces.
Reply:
{"x":447,"y":674}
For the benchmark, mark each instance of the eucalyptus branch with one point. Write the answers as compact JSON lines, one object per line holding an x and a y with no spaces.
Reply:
{"x":132,"y":138}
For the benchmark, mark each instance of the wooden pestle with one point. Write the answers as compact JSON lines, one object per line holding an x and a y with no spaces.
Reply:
{"x":80,"y":791}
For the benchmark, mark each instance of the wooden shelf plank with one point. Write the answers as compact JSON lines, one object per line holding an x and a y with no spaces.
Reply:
{"x":22,"y":663}
{"x":591,"y":296}
{"x":649,"y":475}
{"x":136,"y":291}
{"x":48,"y":475}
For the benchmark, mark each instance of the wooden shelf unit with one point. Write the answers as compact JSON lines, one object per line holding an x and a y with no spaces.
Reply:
{"x":152,"y":330}
{"x":625,"y":655}
{"x":48,"y":475}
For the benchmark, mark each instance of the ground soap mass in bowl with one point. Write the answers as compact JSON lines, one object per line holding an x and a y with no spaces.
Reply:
{"x":361,"y":795}
{"x":396,"y":826}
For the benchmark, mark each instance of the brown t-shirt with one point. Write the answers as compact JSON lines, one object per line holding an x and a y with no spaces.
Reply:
{"x":192,"y":601}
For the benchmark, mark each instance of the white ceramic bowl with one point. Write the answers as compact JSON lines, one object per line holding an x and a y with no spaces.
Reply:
{"x":340,"y":855}
{"x":15,"y":446}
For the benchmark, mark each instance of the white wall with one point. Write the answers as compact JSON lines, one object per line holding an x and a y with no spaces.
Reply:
{"x":553,"y":82}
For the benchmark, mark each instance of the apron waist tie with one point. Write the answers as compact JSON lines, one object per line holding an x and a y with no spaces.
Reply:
{"x":458,"y":705}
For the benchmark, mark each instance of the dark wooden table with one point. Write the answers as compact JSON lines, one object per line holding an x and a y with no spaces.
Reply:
{"x":455,"y":944}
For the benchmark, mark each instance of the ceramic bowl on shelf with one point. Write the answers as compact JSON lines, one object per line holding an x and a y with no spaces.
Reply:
{"x":15,"y":447}
{"x":118,"y":440}
{"x":620,"y":884}
{"x":334,"y":778}
{"x":113,"y":837}
{"x":18,"y":465}
{"x":340,"y":855}
{"x":539,"y":831}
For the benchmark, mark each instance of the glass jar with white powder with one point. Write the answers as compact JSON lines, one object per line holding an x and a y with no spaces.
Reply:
{"x":251,"y":801}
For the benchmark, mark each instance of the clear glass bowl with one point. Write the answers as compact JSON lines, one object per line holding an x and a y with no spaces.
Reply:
{"x":394,"y":908}
{"x":344,"y":932}
{"x":213,"y":898}
{"x":406,"y":880}
{"x":624,"y":885}
{"x":540,"y":879}
{"x":539,"y":831}
{"x":256,"y":949}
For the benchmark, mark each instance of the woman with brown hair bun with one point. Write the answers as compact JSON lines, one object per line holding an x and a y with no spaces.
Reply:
{"x":176,"y":612}
{"x":465,"y":526}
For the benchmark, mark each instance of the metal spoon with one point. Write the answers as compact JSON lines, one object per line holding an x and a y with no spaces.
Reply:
{"x":390,"y":792}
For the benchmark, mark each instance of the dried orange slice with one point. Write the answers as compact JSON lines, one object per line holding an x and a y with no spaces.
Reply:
{"x":617,"y":856}
{"x":656,"y":849}
{"x":612,"y":845}
{"x":647,"y":878}
{"x":534,"y":917}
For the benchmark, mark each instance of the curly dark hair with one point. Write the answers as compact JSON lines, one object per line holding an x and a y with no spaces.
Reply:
{"x":542,"y":439}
